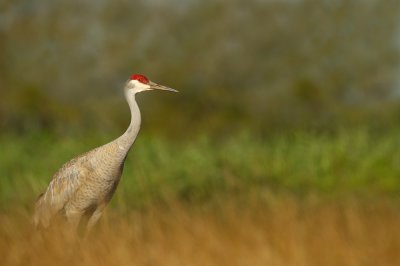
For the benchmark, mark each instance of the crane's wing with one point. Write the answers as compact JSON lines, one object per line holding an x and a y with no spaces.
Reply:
{"x":66,"y":181}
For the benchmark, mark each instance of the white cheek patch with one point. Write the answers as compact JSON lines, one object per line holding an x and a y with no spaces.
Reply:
{"x":138,"y":86}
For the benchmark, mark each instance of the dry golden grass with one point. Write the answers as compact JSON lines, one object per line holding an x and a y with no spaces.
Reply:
{"x":282,"y":233}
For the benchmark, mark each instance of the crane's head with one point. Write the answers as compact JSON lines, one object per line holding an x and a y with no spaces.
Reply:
{"x":139,"y":83}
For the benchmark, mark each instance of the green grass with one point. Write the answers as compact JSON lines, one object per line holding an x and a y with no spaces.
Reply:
{"x":355,"y":162}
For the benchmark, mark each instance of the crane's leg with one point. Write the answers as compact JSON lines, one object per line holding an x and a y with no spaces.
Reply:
{"x":73,"y":217}
{"x":93,"y":219}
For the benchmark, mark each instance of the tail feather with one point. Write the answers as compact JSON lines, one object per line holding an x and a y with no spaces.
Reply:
{"x":41,"y":217}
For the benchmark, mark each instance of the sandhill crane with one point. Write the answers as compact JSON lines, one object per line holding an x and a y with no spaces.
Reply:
{"x":84,"y":185}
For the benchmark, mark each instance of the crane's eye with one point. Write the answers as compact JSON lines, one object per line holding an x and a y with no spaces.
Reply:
{"x":141,"y":78}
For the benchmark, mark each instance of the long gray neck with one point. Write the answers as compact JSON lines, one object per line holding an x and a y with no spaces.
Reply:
{"x":126,"y":140}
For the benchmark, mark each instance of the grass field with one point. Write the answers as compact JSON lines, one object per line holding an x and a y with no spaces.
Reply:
{"x":289,"y":199}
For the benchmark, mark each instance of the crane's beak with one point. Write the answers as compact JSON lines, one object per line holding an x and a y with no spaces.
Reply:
{"x":155,"y":86}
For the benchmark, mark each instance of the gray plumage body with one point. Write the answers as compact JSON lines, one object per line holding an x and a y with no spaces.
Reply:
{"x":84,"y":185}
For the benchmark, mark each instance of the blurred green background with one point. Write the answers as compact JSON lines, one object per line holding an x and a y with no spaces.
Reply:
{"x":258,"y":66}
{"x":297,"y":95}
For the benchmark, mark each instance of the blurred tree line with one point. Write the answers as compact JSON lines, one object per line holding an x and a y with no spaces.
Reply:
{"x":258,"y":65}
